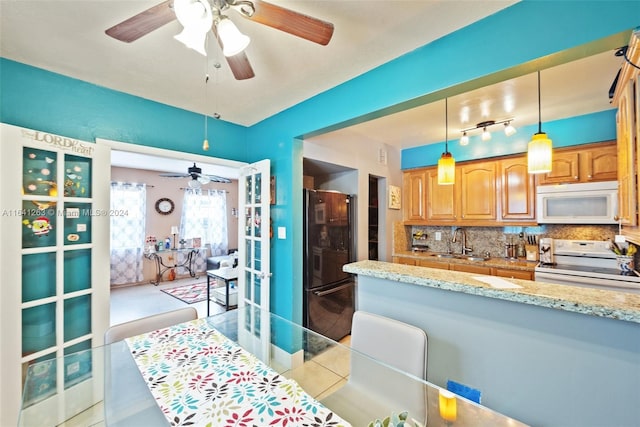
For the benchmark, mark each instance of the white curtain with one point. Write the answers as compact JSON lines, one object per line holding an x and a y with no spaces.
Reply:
{"x":204,"y":216}
{"x":127,"y":232}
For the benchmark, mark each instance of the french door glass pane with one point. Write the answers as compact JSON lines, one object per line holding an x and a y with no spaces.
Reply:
{"x":38,"y":276}
{"x":38,"y":328}
{"x":77,"y":223}
{"x":77,"y":270}
{"x":38,"y":223}
{"x":77,"y":176}
{"x":39,"y":172}
{"x":77,"y":317}
{"x":77,"y":363}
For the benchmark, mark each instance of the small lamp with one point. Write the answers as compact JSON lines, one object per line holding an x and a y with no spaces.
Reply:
{"x":464,"y":140}
{"x":448,"y":406}
{"x":446,"y":163}
{"x":174,"y":231}
{"x":539,"y":150}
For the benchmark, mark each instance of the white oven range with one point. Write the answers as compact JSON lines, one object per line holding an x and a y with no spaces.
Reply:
{"x":586,"y":263}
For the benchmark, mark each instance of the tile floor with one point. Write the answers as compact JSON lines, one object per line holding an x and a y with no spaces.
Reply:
{"x":134,"y":302}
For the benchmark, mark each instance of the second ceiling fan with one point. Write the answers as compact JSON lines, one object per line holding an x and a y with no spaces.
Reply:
{"x":200,"y":16}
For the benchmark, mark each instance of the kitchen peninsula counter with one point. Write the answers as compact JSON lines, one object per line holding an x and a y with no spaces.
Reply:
{"x":545,"y":354}
{"x":594,"y":302}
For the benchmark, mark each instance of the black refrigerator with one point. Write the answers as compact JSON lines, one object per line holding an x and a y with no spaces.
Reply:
{"x":329,"y":243}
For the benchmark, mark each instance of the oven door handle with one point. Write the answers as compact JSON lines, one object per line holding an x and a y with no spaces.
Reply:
{"x":332,"y":290}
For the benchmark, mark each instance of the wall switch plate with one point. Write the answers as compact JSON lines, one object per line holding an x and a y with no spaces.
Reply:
{"x":620,"y":238}
{"x":282,"y":232}
{"x":438,"y":235}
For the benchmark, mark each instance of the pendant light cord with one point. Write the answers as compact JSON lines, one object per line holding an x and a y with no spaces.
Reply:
{"x":446,"y":125}
{"x":539,"y":108}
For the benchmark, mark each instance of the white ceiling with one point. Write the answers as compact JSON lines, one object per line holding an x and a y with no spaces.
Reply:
{"x":67,"y":37}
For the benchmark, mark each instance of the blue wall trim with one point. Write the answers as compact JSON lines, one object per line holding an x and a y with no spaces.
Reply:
{"x":577,"y":130}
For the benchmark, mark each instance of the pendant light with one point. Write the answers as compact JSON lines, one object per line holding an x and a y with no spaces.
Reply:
{"x":446,"y":164}
{"x":540,"y":147}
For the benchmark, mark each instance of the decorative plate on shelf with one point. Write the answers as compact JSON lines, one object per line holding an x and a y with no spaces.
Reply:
{"x":164,"y":206}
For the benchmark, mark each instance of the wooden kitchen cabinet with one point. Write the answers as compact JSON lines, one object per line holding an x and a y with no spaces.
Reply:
{"x":432,"y":264}
{"x":626,"y":157}
{"x":441,"y":199}
{"x":512,"y":274}
{"x":471,"y":268}
{"x":578,"y":164}
{"x":478,"y":191}
{"x":414,"y":195}
{"x":518,"y":191}
{"x":404,"y":260}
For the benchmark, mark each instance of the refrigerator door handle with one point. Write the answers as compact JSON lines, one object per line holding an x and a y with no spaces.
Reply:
{"x":332,"y":290}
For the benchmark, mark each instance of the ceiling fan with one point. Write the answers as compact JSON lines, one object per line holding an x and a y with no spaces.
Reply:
{"x":210,"y":13}
{"x":197,"y":177}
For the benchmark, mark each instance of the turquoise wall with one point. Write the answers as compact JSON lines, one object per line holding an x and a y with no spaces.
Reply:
{"x":521,"y":33}
{"x":41,"y":100}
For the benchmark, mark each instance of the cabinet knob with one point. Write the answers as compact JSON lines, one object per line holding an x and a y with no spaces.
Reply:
{"x":575,"y":177}
{"x":589,"y":176}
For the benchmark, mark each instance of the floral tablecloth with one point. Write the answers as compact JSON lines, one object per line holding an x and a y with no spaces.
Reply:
{"x":201,"y":378}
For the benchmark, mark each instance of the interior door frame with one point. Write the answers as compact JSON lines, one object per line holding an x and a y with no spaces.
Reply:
{"x":171,"y":154}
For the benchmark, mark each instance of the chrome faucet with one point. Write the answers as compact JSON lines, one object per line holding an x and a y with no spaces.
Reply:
{"x":465,"y":250}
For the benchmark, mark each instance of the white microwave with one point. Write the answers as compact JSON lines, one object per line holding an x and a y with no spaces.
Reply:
{"x":589,"y":203}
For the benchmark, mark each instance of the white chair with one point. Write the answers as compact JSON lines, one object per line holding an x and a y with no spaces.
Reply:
{"x":395,"y":343}
{"x":372,"y":393}
{"x":148,"y":324}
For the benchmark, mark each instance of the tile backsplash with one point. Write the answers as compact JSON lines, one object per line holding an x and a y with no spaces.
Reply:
{"x":492,"y":239}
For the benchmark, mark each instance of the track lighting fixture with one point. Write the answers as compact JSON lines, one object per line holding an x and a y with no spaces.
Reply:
{"x":486,"y":134}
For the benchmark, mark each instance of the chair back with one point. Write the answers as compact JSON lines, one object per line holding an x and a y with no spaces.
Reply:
{"x":396,"y":343}
{"x":148,"y":324}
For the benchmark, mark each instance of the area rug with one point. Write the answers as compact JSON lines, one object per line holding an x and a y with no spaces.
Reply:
{"x":190,"y":294}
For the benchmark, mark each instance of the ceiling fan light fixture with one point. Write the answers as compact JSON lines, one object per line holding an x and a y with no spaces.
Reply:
{"x":194,"y":184}
{"x":196,"y":18}
{"x":233,"y":41}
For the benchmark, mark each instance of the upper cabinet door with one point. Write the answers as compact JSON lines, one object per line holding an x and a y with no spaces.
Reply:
{"x":600,"y":164}
{"x":626,"y":158}
{"x":441,"y":199}
{"x":414,"y":195}
{"x":565,"y":168}
{"x":518,"y":190}
{"x":478,"y":191}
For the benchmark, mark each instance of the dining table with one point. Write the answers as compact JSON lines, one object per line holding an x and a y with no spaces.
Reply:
{"x":246,"y":367}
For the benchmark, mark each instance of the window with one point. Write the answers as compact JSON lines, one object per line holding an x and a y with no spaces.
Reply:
{"x":127,"y":232}
{"x":204,"y":215}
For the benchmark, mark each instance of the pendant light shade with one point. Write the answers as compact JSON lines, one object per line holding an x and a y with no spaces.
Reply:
{"x":539,"y":154}
{"x":446,"y":163}
{"x":539,"y":150}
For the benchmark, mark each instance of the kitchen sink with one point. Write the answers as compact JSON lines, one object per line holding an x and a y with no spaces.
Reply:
{"x":474,"y":258}
{"x":459,"y":256}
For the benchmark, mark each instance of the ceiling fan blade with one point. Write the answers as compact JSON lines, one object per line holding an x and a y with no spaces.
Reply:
{"x":175,"y":175}
{"x":215,"y":178}
{"x":239,"y":64}
{"x":143,"y":23}
{"x":292,"y":22}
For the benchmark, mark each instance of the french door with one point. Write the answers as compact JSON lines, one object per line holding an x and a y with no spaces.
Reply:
{"x":254,"y":276}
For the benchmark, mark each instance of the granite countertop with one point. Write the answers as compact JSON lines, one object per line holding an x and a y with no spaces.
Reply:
{"x":594,"y":302}
{"x":491,"y":262}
